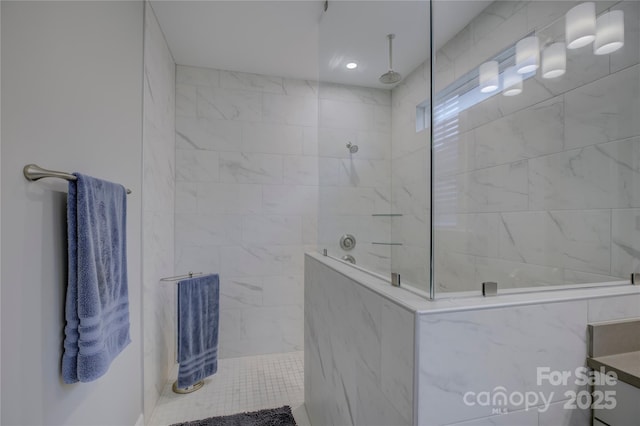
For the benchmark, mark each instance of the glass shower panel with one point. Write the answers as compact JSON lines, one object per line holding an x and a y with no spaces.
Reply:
{"x":536,"y":182}
{"x":373,"y":191}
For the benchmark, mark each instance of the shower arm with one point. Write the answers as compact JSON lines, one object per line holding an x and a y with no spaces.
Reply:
{"x":391,"y":37}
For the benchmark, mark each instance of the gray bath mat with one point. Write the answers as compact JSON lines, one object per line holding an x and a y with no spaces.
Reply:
{"x":270,"y":417}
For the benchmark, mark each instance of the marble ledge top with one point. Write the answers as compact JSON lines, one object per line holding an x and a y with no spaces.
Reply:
{"x":625,"y":365}
{"x":448,"y":303}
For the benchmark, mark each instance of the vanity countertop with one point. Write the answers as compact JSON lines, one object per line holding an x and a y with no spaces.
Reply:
{"x":626,"y":365}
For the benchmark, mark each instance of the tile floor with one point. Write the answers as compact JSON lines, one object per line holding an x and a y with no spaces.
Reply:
{"x":241,"y":384}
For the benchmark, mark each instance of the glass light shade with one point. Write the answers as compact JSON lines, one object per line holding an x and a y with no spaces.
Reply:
{"x":489,"y":81}
{"x":512,"y":83}
{"x":609,"y":32}
{"x":580,"y":25}
{"x":554,"y":60}
{"x":527,"y":55}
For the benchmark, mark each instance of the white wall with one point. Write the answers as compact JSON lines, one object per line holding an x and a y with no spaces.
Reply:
{"x":71,"y":101}
{"x":159,"y":304}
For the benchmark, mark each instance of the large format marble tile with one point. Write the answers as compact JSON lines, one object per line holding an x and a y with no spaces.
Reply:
{"x":494,"y":189}
{"x":493,"y":348}
{"x":271,"y":229}
{"x":533,"y":132}
{"x":353,"y":346}
{"x":241,"y":167}
{"x":614,"y":308}
{"x":197,"y":76}
{"x":596,"y":176}
{"x":345,"y":115}
{"x":289,"y":199}
{"x":454,"y":153}
{"x":559,"y":414}
{"x":625,"y":241}
{"x":364,"y":95}
{"x":208,"y":134}
{"x":231,"y":198}
{"x":194,"y":229}
{"x":227,"y":104}
{"x":272,"y":138}
{"x":509,"y":274}
{"x":240,"y":292}
{"x":250,"y":261}
{"x":605,"y":110}
{"x":629,"y":54}
{"x":577,"y":240}
{"x":196,"y":165}
{"x":472,"y":233}
{"x":397,"y":328}
{"x":254,"y":82}
{"x":295,"y":110}
{"x":300,"y":170}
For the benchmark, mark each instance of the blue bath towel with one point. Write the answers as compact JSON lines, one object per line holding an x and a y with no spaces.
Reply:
{"x":198,"y":315}
{"x":97,"y":302}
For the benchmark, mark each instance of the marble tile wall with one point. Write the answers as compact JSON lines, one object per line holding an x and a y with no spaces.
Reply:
{"x":364,"y":353}
{"x":359,"y":356}
{"x":246,"y":199}
{"x":354,"y":186}
{"x":477,"y":351}
{"x":158,"y":210}
{"x":540,"y":188}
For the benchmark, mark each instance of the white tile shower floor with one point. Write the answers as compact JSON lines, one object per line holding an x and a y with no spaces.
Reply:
{"x":241,"y":384}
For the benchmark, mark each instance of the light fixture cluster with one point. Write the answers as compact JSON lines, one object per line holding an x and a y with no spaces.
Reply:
{"x":581,"y":29}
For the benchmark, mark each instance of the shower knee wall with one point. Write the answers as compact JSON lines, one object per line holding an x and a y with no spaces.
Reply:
{"x":376,"y":356}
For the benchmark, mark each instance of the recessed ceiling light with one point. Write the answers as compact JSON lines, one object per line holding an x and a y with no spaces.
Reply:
{"x":352,"y":66}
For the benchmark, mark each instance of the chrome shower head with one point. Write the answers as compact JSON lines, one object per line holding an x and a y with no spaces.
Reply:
{"x":352,"y":148}
{"x":390,"y":76}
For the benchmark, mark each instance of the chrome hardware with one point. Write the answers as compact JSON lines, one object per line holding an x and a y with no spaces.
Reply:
{"x":635,"y":278}
{"x":352,"y":148}
{"x":489,"y":288}
{"x":395,"y":279}
{"x":324,"y":252}
{"x":347,"y":242}
{"x":188,"y":389}
{"x":349,"y":258}
{"x":33,"y":172}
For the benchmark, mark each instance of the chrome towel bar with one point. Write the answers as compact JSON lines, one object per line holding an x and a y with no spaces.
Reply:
{"x":181,"y":277}
{"x":33,"y":172}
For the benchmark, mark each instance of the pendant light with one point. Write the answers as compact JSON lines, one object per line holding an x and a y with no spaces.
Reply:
{"x":609,"y":32}
{"x":527,"y":55}
{"x":580,"y":25}
{"x":488,"y":75}
{"x":554,"y":60}
{"x":512,"y":84}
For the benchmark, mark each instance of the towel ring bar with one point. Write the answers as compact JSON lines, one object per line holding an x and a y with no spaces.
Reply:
{"x":33,"y":172}
{"x":181,"y":277}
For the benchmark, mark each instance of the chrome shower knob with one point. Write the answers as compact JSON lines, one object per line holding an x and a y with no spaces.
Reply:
{"x":347,"y":242}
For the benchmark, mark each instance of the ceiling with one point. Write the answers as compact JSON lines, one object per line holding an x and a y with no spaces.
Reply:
{"x":298,"y":39}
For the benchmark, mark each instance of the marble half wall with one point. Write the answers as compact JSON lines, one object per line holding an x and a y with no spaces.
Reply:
{"x":359,"y":353}
{"x":377,"y":355}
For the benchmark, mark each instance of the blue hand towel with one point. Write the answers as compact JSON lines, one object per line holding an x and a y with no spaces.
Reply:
{"x":198,"y":315}
{"x":97,"y":301}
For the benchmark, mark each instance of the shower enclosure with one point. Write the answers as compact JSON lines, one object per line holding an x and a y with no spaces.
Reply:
{"x":509,"y":152}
